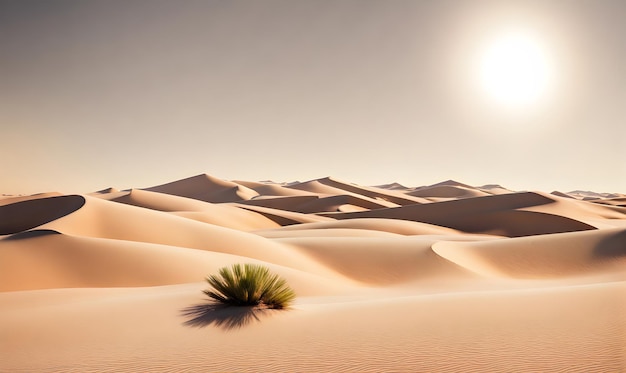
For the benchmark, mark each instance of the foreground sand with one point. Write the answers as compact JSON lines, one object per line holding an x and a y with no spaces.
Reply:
{"x":446,"y":278}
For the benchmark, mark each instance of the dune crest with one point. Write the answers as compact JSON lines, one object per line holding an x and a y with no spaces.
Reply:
{"x":206,"y":188}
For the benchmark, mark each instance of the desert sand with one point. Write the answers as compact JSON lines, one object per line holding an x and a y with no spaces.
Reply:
{"x":440,"y":278}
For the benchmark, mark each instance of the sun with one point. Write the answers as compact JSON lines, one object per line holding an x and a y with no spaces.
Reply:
{"x":515,"y":71}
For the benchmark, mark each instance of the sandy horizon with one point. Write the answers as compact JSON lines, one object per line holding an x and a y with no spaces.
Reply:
{"x":441,"y":278}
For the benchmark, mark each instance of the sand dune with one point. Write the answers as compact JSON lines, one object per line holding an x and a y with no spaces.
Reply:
{"x":561,"y":194}
{"x":595,"y":252}
{"x":217,"y":214}
{"x":57,"y":260}
{"x":379,"y":260}
{"x":206,"y":188}
{"x":372,"y":192}
{"x":284,"y":217}
{"x":442,"y":278}
{"x":313,"y":204}
{"x":448,"y":191}
{"x":513,"y":215}
{"x":617,"y":201}
{"x":92,"y":217}
{"x":393,"y":186}
{"x":331,"y":186}
{"x":452,"y":183}
{"x":268,"y":189}
{"x":403,"y":227}
{"x":494,"y":189}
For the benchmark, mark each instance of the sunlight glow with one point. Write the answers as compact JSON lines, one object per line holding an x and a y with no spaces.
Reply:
{"x":515,"y":71}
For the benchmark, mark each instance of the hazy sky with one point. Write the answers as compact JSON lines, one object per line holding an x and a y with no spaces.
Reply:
{"x":137,"y":93}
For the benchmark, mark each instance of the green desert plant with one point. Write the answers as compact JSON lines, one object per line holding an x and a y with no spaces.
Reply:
{"x":249,"y":285}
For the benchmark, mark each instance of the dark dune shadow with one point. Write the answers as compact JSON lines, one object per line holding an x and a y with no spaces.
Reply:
{"x":611,"y":247}
{"x":222,"y":316}
{"x":32,"y":234}
{"x":22,"y":216}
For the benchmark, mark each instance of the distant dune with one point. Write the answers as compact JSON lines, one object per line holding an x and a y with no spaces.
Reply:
{"x":440,"y":278}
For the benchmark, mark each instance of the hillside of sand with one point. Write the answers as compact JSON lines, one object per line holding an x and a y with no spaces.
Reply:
{"x":439,"y":278}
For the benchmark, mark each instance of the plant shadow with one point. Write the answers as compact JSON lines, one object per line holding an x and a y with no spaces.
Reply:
{"x":223,"y":316}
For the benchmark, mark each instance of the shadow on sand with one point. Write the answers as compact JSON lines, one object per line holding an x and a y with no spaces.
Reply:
{"x":223,"y":316}
{"x":611,"y":247}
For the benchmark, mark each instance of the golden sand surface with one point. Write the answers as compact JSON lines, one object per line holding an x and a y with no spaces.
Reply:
{"x":441,"y":278}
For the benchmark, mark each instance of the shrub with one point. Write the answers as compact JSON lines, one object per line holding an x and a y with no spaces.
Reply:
{"x":249,"y":285}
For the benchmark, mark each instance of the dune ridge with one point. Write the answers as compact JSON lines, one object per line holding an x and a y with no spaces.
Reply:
{"x":206,"y":188}
{"x":512,"y":215}
{"x":446,"y":277}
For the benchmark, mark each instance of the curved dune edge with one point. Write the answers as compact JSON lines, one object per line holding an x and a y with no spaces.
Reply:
{"x":283,"y":217}
{"x":55,"y":260}
{"x":329,"y":232}
{"x":243,"y":220}
{"x":30,"y":234}
{"x":553,"y":256}
{"x":380,"y":261}
{"x":273,"y":190}
{"x":217,"y":214}
{"x":24,"y":215}
{"x":403,"y":227}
